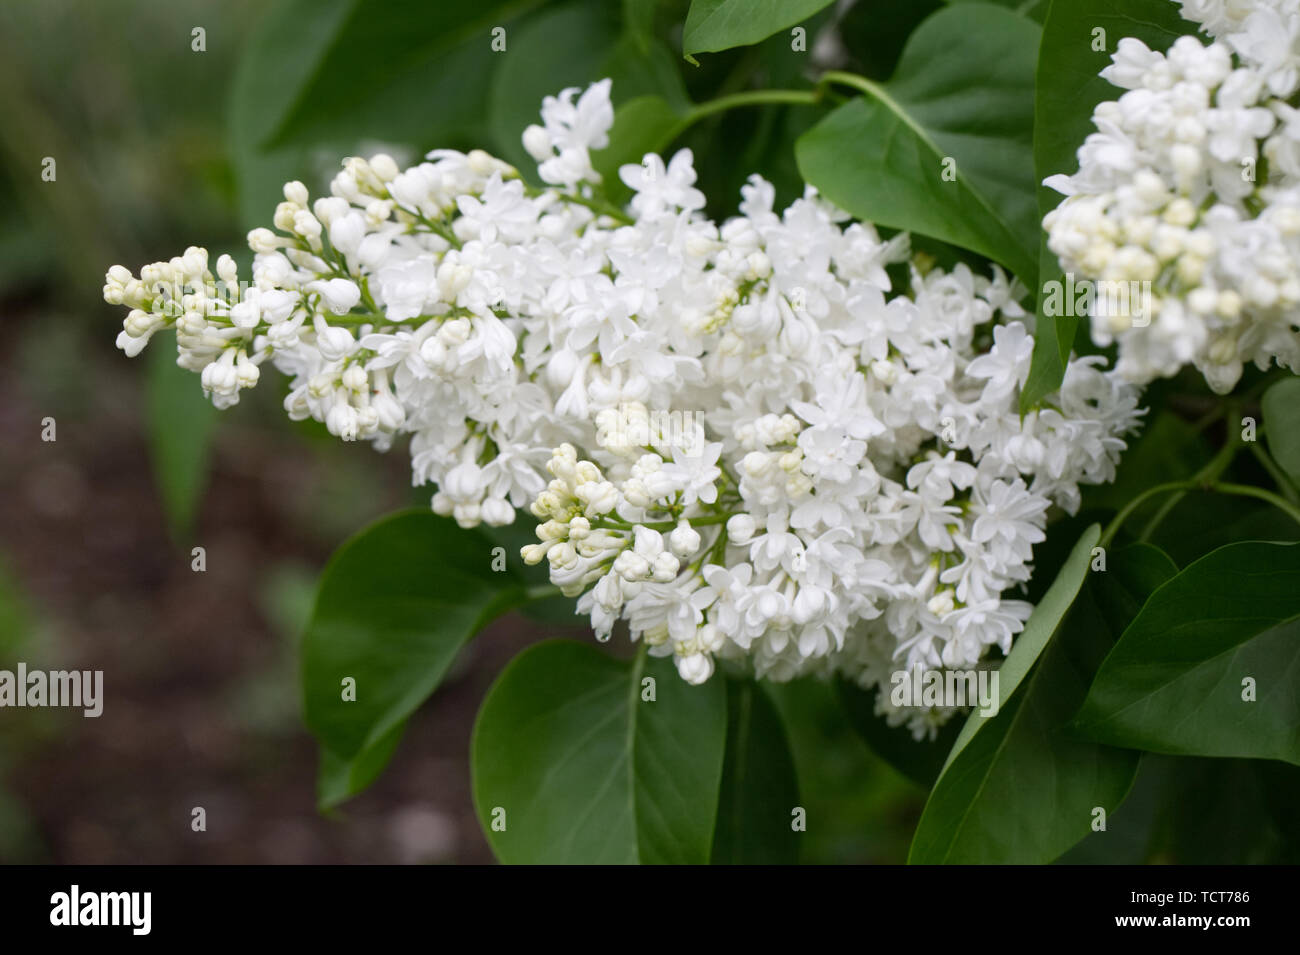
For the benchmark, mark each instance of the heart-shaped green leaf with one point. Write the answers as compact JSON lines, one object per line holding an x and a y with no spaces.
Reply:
{"x":759,"y":786}
{"x":945,"y":147}
{"x":713,"y":25}
{"x":1022,"y":790}
{"x":395,"y":605}
{"x":1211,"y":664}
{"x":581,"y":758}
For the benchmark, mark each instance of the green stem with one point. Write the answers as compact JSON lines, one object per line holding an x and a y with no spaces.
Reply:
{"x":1281,"y":480}
{"x":438,"y":228}
{"x":860,"y":83}
{"x":366,"y":298}
{"x":1158,"y":518}
{"x":1217,"y":465}
{"x":1127,"y":511}
{"x":810,"y":97}
{"x":1213,"y":487}
{"x":749,"y":98}
{"x":600,"y":207}
{"x":541,"y":592}
{"x":878,"y":93}
{"x":1246,"y":490}
{"x":612,"y":524}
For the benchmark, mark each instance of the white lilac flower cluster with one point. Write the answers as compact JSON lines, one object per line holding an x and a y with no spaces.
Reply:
{"x":1191,"y":183}
{"x":735,"y":439}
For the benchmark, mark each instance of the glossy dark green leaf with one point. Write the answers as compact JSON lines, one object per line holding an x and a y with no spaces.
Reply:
{"x":1042,"y":624}
{"x":395,"y":605}
{"x":1138,"y":571}
{"x":573,"y":763}
{"x":1202,"y":522}
{"x":1023,"y":790}
{"x":1192,"y":811}
{"x":759,"y":786}
{"x":340,"y":779}
{"x":1211,"y":664}
{"x":403,"y":70}
{"x":854,"y":801}
{"x":945,"y":147}
{"x":1129,"y":832}
{"x":713,"y":25}
{"x":546,"y":604}
{"x":1035,"y":10}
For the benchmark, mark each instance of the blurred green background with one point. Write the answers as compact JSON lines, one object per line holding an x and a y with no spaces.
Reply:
{"x":96,"y":528}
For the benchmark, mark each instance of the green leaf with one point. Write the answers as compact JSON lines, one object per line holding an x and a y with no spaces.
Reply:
{"x":713,"y":25}
{"x":1243,"y":813}
{"x":963,"y":91}
{"x":919,"y":760}
{"x":1141,"y":570}
{"x":181,"y":424}
{"x":1174,"y":682}
{"x":1281,"y":407}
{"x":1043,"y":622}
{"x":395,"y":605}
{"x":646,"y":124}
{"x":574,"y":45}
{"x":281,"y":52}
{"x":853,"y":799}
{"x":1068,"y":89}
{"x":571,"y":764}
{"x":546,"y":604}
{"x":759,"y":785}
{"x":340,"y":779}
{"x":1034,"y":9}
{"x":403,"y":70}
{"x":1202,"y":522}
{"x":874,"y":34}
{"x":1054,"y":338}
{"x":1130,"y":828}
{"x":1022,"y":790}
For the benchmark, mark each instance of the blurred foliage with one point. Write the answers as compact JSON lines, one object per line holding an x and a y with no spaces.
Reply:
{"x":20,"y":730}
{"x":133,"y":118}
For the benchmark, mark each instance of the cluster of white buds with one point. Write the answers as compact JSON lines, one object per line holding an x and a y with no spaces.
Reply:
{"x":1185,"y":210}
